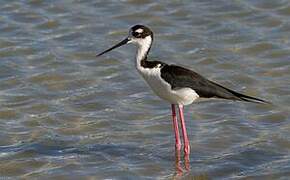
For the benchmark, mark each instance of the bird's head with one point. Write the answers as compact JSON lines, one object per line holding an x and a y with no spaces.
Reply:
{"x":138,"y":34}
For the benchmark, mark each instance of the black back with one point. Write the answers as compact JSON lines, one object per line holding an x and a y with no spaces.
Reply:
{"x":152,"y":64}
{"x":179,"y":77}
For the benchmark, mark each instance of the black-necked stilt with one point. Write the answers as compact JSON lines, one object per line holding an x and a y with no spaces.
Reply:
{"x":177,"y":85}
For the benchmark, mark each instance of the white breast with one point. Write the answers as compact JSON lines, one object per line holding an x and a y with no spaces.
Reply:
{"x":183,"y":96}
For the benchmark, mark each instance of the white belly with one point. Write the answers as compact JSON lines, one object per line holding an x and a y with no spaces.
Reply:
{"x":182,"y":96}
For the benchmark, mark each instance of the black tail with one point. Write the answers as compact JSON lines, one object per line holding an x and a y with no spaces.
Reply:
{"x":242,"y":97}
{"x":246,"y":98}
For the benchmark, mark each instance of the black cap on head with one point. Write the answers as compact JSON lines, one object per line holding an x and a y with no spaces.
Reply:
{"x":140,"y":31}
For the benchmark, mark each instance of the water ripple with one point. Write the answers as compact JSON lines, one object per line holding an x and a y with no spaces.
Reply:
{"x":66,"y":114}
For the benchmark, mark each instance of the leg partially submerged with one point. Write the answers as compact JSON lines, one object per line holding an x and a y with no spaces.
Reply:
{"x":184,"y":133}
{"x":175,"y":127}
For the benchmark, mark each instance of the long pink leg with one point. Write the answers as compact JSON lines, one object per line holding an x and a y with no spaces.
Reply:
{"x":175,"y":127}
{"x":184,"y":133}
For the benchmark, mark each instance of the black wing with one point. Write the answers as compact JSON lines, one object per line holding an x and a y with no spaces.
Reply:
{"x":179,"y":77}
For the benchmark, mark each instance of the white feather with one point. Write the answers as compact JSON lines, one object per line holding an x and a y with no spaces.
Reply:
{"x":139,"y":30}
{"x":152,"y":76}
{"x":182,"y":96}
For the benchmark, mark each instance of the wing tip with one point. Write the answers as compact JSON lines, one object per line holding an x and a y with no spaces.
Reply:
{"x":255,"y":100}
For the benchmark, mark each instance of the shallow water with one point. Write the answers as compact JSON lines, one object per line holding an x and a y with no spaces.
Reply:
{"x":65,"y":114}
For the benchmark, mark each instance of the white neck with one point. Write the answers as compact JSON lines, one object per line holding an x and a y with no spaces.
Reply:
{"x":142,"y":51}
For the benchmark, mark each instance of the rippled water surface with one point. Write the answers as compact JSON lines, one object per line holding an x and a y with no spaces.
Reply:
{"x":66,"y":114}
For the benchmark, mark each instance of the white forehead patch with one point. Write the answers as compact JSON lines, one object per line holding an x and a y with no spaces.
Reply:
{"x":139,"y":30}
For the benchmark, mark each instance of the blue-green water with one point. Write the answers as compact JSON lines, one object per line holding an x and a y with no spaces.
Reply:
{"x":68,"y":115}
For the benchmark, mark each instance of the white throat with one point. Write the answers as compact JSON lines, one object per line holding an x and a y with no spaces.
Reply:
{"x":142,"y":51}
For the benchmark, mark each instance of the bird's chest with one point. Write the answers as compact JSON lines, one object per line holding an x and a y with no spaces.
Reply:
{"x":153,"y":77}
{"x":163,"y":89}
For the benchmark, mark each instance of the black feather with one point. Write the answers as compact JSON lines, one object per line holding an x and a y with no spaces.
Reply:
{"x":179,"y":77}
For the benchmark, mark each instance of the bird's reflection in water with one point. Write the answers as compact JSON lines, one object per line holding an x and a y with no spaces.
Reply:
{"x":182,"y":168}
{"x":181,"y":165}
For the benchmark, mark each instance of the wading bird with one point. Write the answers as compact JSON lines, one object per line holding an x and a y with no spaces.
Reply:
{"x":177,"y":85}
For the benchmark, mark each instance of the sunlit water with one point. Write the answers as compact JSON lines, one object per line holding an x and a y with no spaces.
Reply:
{"x":66,"y":114}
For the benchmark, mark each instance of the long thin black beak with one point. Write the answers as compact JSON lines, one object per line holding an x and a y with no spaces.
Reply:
{"x":125,"y":41}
